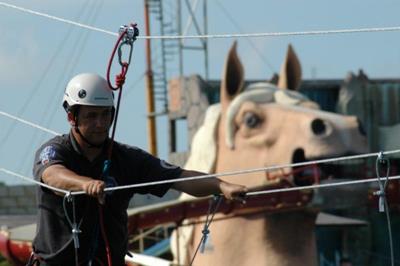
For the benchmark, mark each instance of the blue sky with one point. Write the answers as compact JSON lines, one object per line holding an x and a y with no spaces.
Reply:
{"x":38,"y":56}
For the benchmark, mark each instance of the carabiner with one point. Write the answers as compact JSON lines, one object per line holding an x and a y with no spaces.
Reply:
{"x":130,"y":34}
{"x":127,"y":35}
{"x":123,"y":63}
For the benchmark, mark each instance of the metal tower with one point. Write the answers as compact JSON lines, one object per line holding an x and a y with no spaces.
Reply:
{"x":169,"y":57}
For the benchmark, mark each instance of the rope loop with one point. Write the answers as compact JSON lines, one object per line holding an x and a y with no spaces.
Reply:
{"x":212,"y":209}
{"x":127,"y":36}
{"x":381,"y":193}
{"x":74,"y":225}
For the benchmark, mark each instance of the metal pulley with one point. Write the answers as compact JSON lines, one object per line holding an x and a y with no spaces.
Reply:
{"x":131,"y":32}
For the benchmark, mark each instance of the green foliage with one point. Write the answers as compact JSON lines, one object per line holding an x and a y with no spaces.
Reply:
{"x":3,"y":262}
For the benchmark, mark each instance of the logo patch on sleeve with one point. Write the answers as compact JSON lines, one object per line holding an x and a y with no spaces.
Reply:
{"x":47,"y":154}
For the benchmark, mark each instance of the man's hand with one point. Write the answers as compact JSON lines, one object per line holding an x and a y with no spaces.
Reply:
{"x":233,"y":191}
{"x":95,"y":188}
{"x":210,"y":186}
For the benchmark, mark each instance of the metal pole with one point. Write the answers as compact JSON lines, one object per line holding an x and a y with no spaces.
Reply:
{"x":178,"y":245}
{"x":206,"y":40}
{"x":180,"y":42}
{"x":151,"y":123}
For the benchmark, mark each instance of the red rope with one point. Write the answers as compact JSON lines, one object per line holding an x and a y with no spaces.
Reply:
{"x":115,"y":124}
{"x":119,"y":80}
{"x":104,"y":235}
{"x":124,"y":67}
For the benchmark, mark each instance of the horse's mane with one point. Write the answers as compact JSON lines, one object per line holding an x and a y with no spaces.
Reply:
{"x":204,"y":147}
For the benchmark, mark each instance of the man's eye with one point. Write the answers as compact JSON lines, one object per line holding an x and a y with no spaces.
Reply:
{"x":107,"y":114}
{"x":251,"y":120}
{"x":91,"y":116}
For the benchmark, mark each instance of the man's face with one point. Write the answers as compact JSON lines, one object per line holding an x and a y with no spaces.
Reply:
{"x":94,"y":123}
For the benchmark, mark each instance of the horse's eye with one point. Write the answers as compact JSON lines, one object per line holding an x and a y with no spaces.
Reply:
{"x":251,"y":120}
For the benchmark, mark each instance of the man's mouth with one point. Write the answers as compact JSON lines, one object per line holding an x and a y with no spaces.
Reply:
{"x":100,"y":132}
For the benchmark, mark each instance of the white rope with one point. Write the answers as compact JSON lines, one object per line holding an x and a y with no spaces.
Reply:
{"x":254,"y":193}
{"x":235,"y":173}
{"x":337,"y":184}
{"x":211,"y":36}
{"x":57,"y":18}
{"x":31,"y":180}
{"x":29,"y":123}
{"x":240,"y":172}
{"x":275,"y":34}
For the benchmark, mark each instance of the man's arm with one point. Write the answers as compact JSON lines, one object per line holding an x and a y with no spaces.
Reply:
{"x":61,"y":177}
{"x":209,"y":186}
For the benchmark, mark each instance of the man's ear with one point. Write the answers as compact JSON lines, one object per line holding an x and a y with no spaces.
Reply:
{"x":71,"y":119}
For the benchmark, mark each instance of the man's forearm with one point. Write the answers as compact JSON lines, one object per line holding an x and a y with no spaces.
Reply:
{"x":200,"y":187}
{"x":60,"y":177}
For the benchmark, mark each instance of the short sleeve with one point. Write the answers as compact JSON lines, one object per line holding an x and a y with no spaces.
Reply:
{"x":47,"y":155}
{"x":152,"y":169}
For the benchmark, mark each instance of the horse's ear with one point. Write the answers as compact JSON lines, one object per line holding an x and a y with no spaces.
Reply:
{"x":290,"y":76}
{"x":232,"y":77}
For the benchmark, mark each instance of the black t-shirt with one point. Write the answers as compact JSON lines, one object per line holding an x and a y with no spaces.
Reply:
{"x":129,"y":165}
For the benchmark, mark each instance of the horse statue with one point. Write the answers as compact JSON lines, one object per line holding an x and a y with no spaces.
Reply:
{"x":258,"y":126}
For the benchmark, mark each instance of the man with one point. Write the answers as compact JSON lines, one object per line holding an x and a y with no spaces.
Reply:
{"x":75,"y":162}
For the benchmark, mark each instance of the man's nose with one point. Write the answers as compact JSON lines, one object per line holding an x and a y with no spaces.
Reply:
{"x":100,"y":121}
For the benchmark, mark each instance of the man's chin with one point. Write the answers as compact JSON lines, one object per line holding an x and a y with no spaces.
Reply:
{"x":99,"y":140}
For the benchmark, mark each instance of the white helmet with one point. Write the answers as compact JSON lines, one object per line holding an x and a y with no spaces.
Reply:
{"x":88,"y":89}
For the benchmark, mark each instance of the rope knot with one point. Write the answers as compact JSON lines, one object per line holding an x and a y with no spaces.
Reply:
{"x":204,"y":240}
{"x":76,"y":230}
{"x":68,"y":196}
{"x":75,"y":234}
{"x":205,"y":231}
{"x":120,"y":80}
{"x":379,"y":193}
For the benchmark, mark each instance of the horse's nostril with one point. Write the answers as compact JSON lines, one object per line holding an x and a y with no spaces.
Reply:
{"x":318,"y":126}
{"x":298,"y":156}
